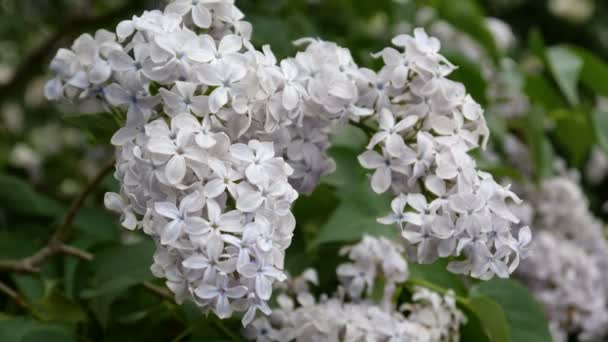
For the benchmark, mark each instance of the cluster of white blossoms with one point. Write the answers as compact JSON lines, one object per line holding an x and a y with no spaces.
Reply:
{"x":566,"y":268}
{"x":430,"y":317}
{"x":195,"y":92}
{"x":575,"y":11}
{"x":504,"y":92}
{"x":219,"y":139}
{"x":372,"y":256}
{"x":427,"y":127}
{"x":563,"y":209}
{"x":566,"y":280}
{"x":596,"y":169}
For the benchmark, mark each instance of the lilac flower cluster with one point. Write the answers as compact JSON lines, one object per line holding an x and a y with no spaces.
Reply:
{"x":351,"y":314}
{"x":219,"y":138}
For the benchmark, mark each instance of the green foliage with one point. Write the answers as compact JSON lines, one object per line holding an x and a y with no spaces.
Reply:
{"x":572,"y":134}
{"x":524,"y":315}
{"x":436,"y":273}
{"x":565,"y":73}
{"x":540,"y":147}
{"x":55,"y":307}
{"x":600,"y":124}
{"x":98,"y":127}
{"x":469,"y":74}
{"x":497,"y":310}
{"x":19,"y":198}
{"x":566,"y":67}
{"x":118,"y":267}
{"x":491,"y":316}
{"x":467,"y":16}
{"x":594,"y":71}
{"x":359,"y":206}
{"x":19,"y":329}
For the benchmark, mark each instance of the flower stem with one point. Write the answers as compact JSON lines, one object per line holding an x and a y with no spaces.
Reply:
{"x":56,"y":245}
{"x":369,"y":131}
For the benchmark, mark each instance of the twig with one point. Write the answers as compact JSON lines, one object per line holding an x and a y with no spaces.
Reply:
{"x":163,"y":294}
{"x":158,"y":291}
{"x":79,"y":201}
{"x":56,"y":245}
{"x":12,"y":294}
{"x":183,"y":334}
{"x":218,"y":322}
{"x":369,"y":131}
{"x":32,"y":263}
{"x":76,"y":252}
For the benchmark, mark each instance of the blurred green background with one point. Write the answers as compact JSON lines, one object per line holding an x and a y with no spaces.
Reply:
{"x":542,"y":77}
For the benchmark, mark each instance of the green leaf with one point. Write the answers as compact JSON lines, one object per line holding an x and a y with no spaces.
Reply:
{"x":540,"y":147}
{"x":55,"y":307}
{"x":473,"y":329}
{"x":117,"y":267}
{"x":500,"y":172}
{"x":350,"y":137}
{"x":350,"y":222}
{"x":359,"y":206}
{"x":70,"y":265}
{"x":574,"y":134}
{"x":595,"y":71}
{"x":28,"y":330}
{"x":20,"y":198}
{"x":437,"y":274}
{"x":22,"y":240}
{"x":467,"y":16}
{"x":486,"y":319}
{"x":498,"y":127}
{"x":99,"y":126}
{"x":543,"y":93}
{"x":348,"y":171}
{"x":101,"y":307}
{"x":469,"y":73}
{"x":536,"y":43}
{"x":524,"y":315}
{"x":378,"y":290}
{"x":491,"y":316}
{"x":599,"y":121}
{"x":30,"y":286}
{"x":566,"y":68}
{"x":97,"y":224}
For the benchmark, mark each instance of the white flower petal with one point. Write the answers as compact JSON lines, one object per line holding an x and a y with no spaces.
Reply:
{"x":381,"y":180}
{"x":175,"y":169}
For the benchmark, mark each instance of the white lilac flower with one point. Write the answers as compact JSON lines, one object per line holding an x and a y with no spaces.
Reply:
{"x":188,"y":157}
{"x":130,"y":93}
{"x":180,"y":218}
{"x":384,"y":165}
{"x":182,"y":99}
{"x":223,"y":77}
{"x":596,"y":169}
{"x":430,"y":317}
{"x":390,"y":131}
{"x":565,"y":279}
{"x":372,"y":256}
{"x":210,"y":118}
{"x":562,"y":207}
{"x":220,"y":294}
{"x":455,"y":209}
{"x":566,"y":267}
{"x":575,"y":11}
